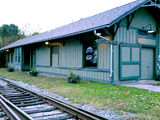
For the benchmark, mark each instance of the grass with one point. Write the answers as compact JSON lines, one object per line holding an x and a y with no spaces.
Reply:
{"x":145,"y":104}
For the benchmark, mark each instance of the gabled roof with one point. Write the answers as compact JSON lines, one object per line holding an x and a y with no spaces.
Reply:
{"x":105,"y":19}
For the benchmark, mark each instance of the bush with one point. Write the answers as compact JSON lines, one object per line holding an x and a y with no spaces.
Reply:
{"x":73,"y":78}
{"x":33,"y":71}
{"x":10,"y":69}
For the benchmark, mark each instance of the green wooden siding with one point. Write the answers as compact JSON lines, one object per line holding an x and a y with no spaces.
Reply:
{"x":70,"y":54}
{"x":142,"y":19}
{"x":82,"y":73}
{"x":125,"y":36}
{"x":43,"y":55}
{"x":103,"y":56}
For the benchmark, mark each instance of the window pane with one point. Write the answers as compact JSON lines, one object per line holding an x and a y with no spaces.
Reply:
{"x":19,"y":55}
{"x":90,"y":54}
{"x":8,"y":57}
{"x":55,"y":49}
{"x":12,"y":57}
{"x":16,"y":55}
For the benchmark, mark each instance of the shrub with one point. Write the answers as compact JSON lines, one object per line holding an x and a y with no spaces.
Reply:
{"x":73,"y":78}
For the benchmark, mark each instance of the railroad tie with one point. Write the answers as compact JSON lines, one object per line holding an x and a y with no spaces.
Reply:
{"x":62,"y":116}
{"x":39,"y":109}
{"x":30,"y":104}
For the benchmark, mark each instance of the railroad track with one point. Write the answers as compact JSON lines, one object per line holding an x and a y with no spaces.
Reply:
{"x":6,"y":113}
{"x":30,"y":105}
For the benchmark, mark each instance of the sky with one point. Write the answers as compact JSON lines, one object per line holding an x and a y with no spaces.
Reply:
{"x":44,"y":15}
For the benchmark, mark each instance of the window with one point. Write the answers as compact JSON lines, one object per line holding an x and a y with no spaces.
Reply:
{"x":12,"y":57}
{"x":54,"y":56}
{"x":26,"y":56}
{"x":55,"y":49}
{"x":90,"y":54}
{"x":8,"y":57}
{"x":15,"y":54}
{"x":19,"y":54}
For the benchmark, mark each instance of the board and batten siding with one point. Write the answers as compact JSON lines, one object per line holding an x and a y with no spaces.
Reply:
{"x":141,"y":19}
{"x":103,"y":56}
{"x":70,"y":56}
{"x":125,"y":36}
{"x":43,"y":55}
{"x":85,"y":74}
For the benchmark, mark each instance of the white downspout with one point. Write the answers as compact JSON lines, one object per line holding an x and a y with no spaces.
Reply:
{"x":111,"y":71}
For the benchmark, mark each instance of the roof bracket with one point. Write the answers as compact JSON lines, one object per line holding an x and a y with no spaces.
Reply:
{"x":62,"y":42}
{"x":107,"y":31}
{"x":117,"y":24}
{"x":79,"y":39}
{"x":151,"y":4}
{"x":129,"y":20}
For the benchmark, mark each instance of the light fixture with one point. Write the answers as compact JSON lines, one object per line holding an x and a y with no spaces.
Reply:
{"x":47,"y":43}
{"x":150,"y":30}
{"x":98,"y":33}
{"x":7,"y":50}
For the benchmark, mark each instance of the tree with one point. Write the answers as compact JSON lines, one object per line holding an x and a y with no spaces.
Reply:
{"x":10,"y":33}
{"x":35,"y":33}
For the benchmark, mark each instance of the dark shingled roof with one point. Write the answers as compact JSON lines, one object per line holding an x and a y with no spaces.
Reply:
{"x":98,"y":21}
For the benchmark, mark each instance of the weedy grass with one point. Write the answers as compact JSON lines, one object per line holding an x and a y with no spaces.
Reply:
{"x":145,"y":104}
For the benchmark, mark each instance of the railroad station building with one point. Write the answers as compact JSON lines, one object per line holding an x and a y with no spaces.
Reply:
{"x":118,"y":45}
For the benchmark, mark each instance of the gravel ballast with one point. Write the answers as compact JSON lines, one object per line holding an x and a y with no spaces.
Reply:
{"x":108,"y":114}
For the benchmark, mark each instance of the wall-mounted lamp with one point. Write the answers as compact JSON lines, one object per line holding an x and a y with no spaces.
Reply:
{"x":150,"y":30}
{"x":47,"y":43}
{"x":7,"y":50}
{"x":98,"y":33}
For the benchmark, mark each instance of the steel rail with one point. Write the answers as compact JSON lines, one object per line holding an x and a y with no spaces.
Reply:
{"x":76,"y":112}
{"x":18,"y":111}
{"x":10,"y":113}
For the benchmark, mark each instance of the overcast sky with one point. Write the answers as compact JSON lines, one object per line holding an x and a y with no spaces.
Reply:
{"x":50,"y":14}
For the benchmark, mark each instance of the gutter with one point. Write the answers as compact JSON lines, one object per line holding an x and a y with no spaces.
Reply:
{"x":111,"y":50}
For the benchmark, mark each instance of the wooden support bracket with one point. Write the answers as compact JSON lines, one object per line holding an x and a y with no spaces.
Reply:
{"x":79,"y":39}
{"x":129,"y":20}
{"x":118,"y":23}
{"x":62,"y":42}
{"x":152,"y":3}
